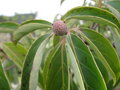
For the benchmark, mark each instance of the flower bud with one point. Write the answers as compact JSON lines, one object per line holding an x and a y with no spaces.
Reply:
{"x":60,"y":28}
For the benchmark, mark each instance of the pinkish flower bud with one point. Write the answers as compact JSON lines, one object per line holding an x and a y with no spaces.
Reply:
{"x":60,"y":28}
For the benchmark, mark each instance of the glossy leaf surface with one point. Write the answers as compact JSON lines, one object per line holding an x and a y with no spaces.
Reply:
{"x":88,"y":66}
{"x":56,"y":70}
{"x":106,"y":50}
{"x":93,"y":14}
{"x":29,"y":62}
{"x":28,"y":28}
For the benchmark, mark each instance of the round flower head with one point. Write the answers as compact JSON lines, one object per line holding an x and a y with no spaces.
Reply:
{"x":60,"y":28}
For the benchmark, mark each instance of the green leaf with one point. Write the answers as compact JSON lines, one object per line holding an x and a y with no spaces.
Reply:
{"x":103,"y":70}
{"x":29,"y":62}
{"x":90,"y":71}
{"x":75,"y":67}
{"x":114,"y":7}
{"x":51,"y":54}
{"x":116,"y":37}
{"x":73,"y":86}
{"x":6,"y":30}
{"x":27,"y":41}
{"x":8,"y":27}
{"x":28,"y":28}
{"x":115,"y":4}
{"x":16,"y":53}
{"x":104,"y":51}
{"x":93,"y":14}
{"x":40,"y":79}
{"x":36,"y":65}
{"x":4,"y":85}
{"x":72,"y":23}
{"x":57,"y":71}
{"x":110,"y":85}
{"x":10,"y":68}
{"x":37,"y":21}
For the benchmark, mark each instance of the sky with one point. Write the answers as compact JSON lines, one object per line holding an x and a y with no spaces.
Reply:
{"x":46,"y":9}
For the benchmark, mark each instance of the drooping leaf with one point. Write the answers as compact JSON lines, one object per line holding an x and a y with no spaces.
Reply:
{"x":30,"y":27}
{"x":8,"y":27}
{"x":72,"y":23}
{"x":103,"y":70}
{"x":115,"y":4}
{"x":36,"y":21}
{"x":29,"y":62}
{"x":114,"y":7}
{"x":4,"y":85}
{"x":6,"y":30}
{"x":116,"y":37}
{"x":48,"y":59}
{"x":76,"y":68}
{"x":88,"y":66}
{"x":104,"y":51}
{"x":36,"y":65}
{"x":57,"y":73}
{"x":93,"y":14}
{"x":16,"y":53}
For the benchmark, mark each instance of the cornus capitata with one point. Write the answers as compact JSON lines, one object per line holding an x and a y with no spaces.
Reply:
{"x":60,"y":28}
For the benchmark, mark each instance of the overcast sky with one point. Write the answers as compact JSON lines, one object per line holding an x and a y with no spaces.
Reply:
{"x":47,"y":9}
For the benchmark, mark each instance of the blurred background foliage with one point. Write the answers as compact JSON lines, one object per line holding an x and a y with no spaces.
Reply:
{"x":18,"y":18}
